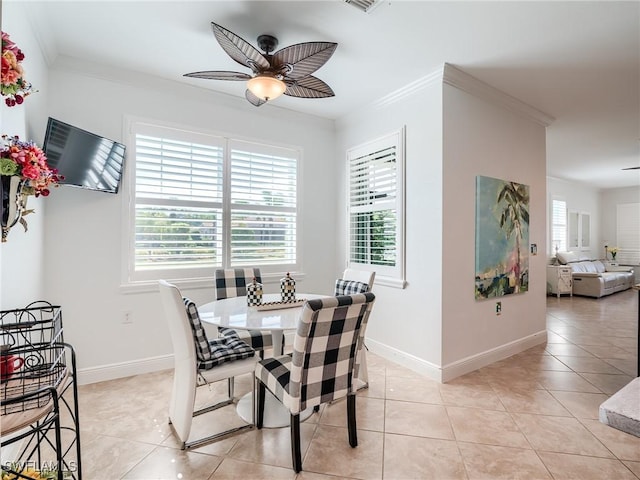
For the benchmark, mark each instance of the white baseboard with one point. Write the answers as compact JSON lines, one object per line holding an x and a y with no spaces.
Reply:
{"x":455,"y":369}
{"x":124,"y":369}
{"x":428,"y":369}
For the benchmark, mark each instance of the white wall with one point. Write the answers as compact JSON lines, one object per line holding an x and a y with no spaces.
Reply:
{"x":581,"y":198}
{"x":405,"y":324}
{"x":484,"y":138}
{"x":434,"y":325}
{"x":84,"y":228}
{"x":22,"y":256}
{"x":609,"y":199}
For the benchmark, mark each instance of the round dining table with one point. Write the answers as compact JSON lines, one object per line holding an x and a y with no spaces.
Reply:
{"x":271,"y":316}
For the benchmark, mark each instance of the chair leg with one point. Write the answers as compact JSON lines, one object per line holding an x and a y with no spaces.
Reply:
{"x":230,"y":387}
{"x":296,"y":455}
{"x":261,"y":394}
{"x":351,"y":420}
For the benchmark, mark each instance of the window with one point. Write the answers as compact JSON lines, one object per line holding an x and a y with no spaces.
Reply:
{"x":628,"y":233}
{"x":376,"y":208}
{"x":202,"y":202}
{"x":559,"y":225}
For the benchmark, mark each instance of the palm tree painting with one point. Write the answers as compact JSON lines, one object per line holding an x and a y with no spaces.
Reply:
{"x":502,"y":237}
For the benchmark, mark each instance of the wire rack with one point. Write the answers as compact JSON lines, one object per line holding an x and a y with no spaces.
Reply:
{"x":31,"y":341}
{"x":38,"y":395}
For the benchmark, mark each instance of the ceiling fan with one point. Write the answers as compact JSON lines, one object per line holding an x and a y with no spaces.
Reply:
{"x":286,"y":71}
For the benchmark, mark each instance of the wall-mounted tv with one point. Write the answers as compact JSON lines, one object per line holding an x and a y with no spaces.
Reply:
{"x":86,"y":160}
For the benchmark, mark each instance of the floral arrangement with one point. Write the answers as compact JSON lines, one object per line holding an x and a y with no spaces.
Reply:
{"x":613,"y":251}
{"x":28,"y":161}
{"x":12,"y":82}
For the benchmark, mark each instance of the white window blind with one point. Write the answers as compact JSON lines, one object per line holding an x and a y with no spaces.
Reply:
{"x":263,"y":205}
{"x":559,"y":225}
{"x":203,"y":202}
{"x":178,"y":211}
{"x":376,"y":201}
{"x":628,"y":233}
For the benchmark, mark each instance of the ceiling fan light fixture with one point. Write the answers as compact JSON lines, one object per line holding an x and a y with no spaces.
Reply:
{"x":266,"y":87}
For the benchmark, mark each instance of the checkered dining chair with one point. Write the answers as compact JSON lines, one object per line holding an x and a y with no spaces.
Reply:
{"x":357,"y":281}
{"x":322,"y":365}
{"x":199,"y":361}
{"x":232,"y":282}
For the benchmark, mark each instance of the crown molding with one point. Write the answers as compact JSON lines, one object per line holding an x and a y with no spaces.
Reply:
{"x":463,"y":81}
{"x":434,"y":78}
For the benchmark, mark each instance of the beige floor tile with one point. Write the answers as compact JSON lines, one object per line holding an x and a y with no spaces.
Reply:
{"x":559,"y":434}
{"x":588,"y":365}
{"x":303,"y":475}
{"x":581,"y":405}
{"x":567,"y":349}
{"x":634,"y":467}
{"x":565,"y":381}
{"x":608,"y":383}
{"x":271,"y":446}
{"x":421,"y":458}
{"x":485,"y":426}
{"x":369,"y":414}
{"x":553,"y":337}
{"x":417,"y":419}
{"x":570,"y":467}
{"x":623,"y":445}
{"x":108,"y":458}
{"x":468,"y":395}
{"x":421,"y":390}
{"x":488,"y":461}
{"x":511,"y":378}
{"x":477,"y":377}
{"x":626,"y":365}
{"x":544,"y":362}
{"x":238,"y":470}
{"x":532,"y":401}
{"x":607,"y":351}
{"x":330,"y":453}
{"x":168,"y":463}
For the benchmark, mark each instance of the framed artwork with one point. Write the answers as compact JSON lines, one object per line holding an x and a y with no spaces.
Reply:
{"x":502,"y":237}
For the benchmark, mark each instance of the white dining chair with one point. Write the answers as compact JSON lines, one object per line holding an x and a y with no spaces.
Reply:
{"x":357,"y":281}
{"x":197,"y":362}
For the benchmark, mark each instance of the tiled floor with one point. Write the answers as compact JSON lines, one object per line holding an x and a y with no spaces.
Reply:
{"x":531,"y":416}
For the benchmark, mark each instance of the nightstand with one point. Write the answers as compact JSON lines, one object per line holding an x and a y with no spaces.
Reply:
{"x":559,"y":280}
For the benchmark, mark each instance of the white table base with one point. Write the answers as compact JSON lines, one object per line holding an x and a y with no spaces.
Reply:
{"x":275,"y":414}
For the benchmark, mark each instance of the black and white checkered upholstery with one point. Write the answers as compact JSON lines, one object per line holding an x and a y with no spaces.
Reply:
{"x":350,"y":287}
{"x":321,"y":367}
{"x":214,"y":352}
{"x":232,"y":282}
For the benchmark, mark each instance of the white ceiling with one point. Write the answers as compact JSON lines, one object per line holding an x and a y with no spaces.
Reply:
{"x":576,"y":61}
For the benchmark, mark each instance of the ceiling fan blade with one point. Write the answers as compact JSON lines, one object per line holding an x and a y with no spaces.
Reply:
{"x":219,"y":75}
{"x":303,"y":59}
{"x":631,"y":168}
{"x":308,"y":87}
{"x":257,"y":101}
{"x":239,"y":49}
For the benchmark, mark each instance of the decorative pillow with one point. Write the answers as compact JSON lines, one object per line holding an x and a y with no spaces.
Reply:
{"x":600,"y":268}
{"x":350,"y":287}
{"x":203,"y":351}
{"x":567,"y":257}
{"x":218,"y":351}
{"x":226,"y":349}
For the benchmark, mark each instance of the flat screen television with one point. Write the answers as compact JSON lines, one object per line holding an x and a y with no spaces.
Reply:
{"x":86,"y":160}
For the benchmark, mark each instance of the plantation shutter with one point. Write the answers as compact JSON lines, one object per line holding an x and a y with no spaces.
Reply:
{"x":178,"y":212}
{"x":559,"y":225}
{"x":263,"y":212}
{"x":628,"y":233}
{"x":376,"y":206}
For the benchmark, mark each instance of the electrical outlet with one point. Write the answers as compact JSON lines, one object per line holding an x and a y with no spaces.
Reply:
{"x":127,"y":318}
{"x":498,"y":308}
